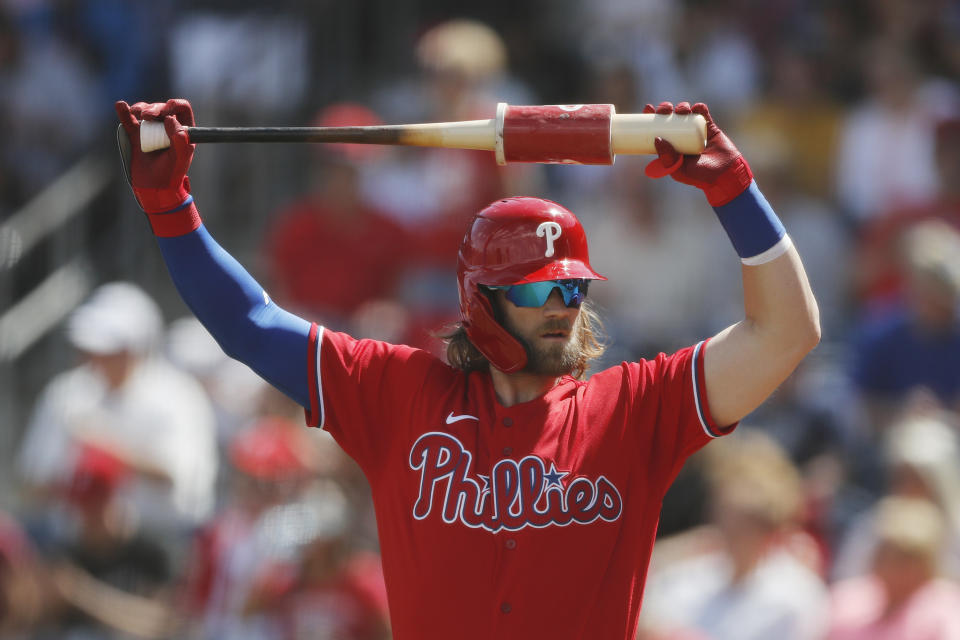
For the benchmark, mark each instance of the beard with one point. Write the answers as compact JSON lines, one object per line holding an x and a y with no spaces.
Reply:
{"x":553,"y":359}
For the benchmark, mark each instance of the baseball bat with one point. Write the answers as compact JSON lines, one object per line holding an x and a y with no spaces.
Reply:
{"x":582,"y":134}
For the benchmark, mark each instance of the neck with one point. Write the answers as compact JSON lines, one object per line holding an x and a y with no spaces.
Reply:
{"x":744,"y":561}
{"x":515,"y":388}
{"x":901,"y":590}
{"x":746,"y":549}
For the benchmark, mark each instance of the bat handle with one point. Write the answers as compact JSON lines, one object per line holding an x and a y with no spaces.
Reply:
{"x":153,"y":136}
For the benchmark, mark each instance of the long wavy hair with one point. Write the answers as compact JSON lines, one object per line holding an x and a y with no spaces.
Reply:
{"x":463,"y":355}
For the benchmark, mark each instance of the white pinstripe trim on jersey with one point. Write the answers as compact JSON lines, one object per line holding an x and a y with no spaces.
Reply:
{"x":774,"y":252}
{"x":697,"y":400}
{"x":323,"y":414}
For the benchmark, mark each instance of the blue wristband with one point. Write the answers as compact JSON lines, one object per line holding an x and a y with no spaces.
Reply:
{"x":754,"y":229}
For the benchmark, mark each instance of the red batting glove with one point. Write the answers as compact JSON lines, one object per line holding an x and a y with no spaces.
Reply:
{"x":159,"y":178}
{"x":720,"y":170}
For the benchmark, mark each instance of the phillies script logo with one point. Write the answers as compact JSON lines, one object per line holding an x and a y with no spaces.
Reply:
{"x":515,"y":495}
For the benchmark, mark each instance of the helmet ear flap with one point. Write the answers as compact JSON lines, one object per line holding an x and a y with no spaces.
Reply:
{"x":501,"y":349}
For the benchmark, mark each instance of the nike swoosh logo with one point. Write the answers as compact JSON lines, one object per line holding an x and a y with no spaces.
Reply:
{"x":452,"y":418}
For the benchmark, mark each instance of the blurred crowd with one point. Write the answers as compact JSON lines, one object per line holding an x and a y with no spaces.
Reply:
{"x":163,"y":490}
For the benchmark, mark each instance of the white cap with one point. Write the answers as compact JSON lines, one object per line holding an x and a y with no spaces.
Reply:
{"x":117,"y":317}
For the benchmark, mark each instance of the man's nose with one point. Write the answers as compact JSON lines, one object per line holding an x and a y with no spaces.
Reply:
{"x":555,"y":304}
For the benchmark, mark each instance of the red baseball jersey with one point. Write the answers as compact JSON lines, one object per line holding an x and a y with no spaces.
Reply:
{"x":530,"y":521}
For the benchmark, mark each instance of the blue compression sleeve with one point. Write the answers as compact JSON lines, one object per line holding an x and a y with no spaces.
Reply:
{"x":753,"y":227}
{"x":238,"y":313}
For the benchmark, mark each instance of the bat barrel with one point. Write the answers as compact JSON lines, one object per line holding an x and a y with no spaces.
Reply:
{"x":633,"y":133}
{"x":589,"y":133}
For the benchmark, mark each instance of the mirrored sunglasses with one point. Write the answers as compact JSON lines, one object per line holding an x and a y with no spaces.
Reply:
{"x":535,"y":294}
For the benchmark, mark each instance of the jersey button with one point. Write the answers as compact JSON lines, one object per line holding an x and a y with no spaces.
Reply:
{"x":511,"y":543}
{"x":507,"y":451}
{"x":505,"y":607}
{"x":508,"y":422}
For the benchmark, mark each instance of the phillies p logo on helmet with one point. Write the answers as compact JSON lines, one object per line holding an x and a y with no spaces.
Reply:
{"x":551,"y":230}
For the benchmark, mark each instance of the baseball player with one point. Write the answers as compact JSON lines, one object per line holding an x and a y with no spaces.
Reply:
{"x":514,"y":499}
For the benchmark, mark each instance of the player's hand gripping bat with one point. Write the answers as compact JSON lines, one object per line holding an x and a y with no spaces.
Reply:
{"x":566,"y":134}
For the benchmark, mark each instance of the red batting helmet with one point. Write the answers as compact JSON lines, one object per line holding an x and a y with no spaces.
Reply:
{"x":515,"y":241}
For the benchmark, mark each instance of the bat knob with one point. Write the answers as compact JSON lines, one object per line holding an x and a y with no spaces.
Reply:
{"x":153,"y":136}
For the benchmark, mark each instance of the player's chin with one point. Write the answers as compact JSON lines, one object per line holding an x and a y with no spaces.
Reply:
{"x":553,"y":356}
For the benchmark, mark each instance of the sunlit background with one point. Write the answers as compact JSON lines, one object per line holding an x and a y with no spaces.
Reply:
{"x":234,"y":521}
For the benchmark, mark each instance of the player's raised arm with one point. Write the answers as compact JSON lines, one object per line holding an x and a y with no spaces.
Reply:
{"x":744,"y":363}
{"x":219,"y":291}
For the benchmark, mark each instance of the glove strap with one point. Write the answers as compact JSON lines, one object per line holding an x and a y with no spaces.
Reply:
{"x":754,"y":229}
{"x":731,"y":183}
{"x":176,"y":222}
